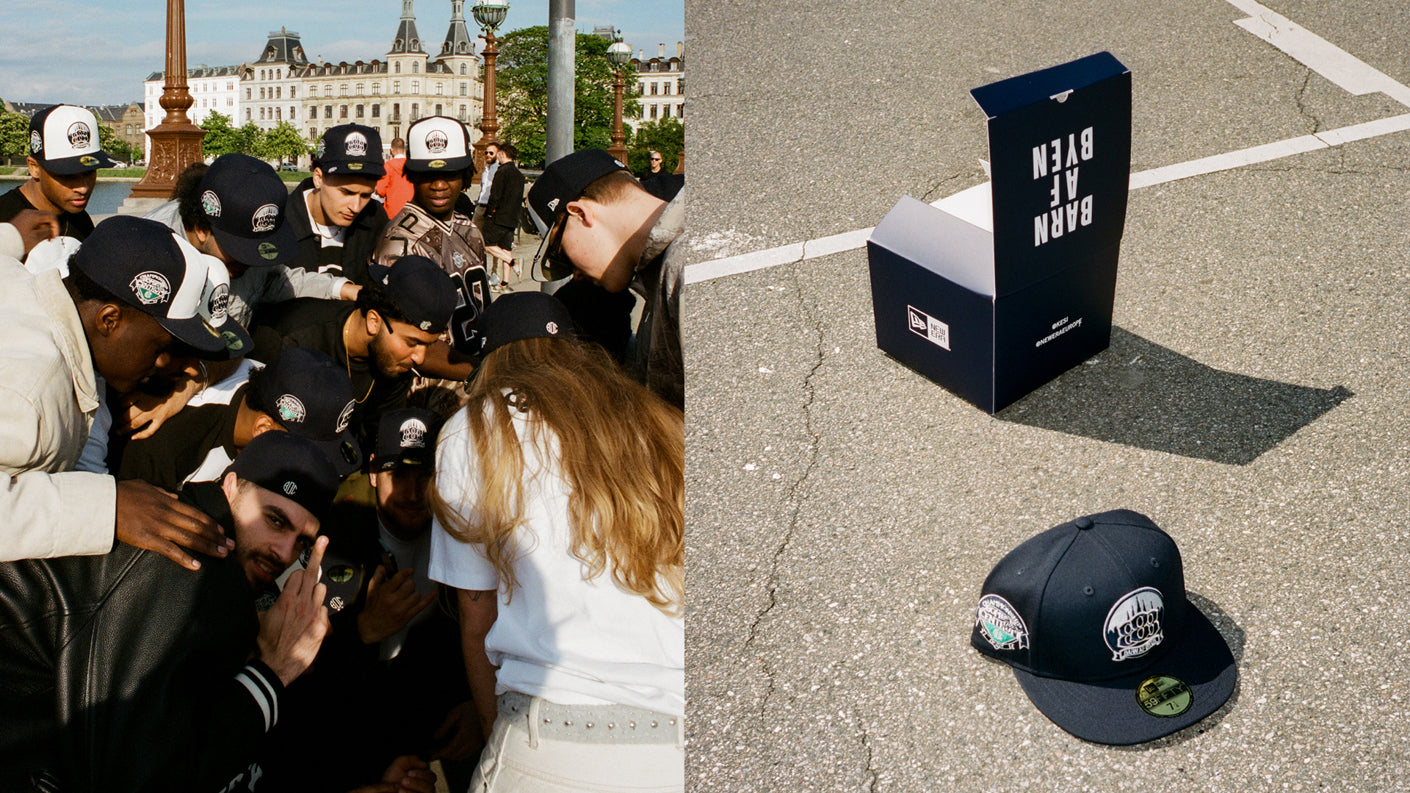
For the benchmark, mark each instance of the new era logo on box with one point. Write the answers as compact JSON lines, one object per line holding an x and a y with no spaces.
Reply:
{"x":928,"y":327}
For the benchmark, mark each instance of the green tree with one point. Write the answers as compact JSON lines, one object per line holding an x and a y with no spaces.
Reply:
{"x":666,"y":136}
{"x":283,"y":143}
{"x":14,"y":135}
{"x":221,"y":137}
{"x":523,"y":90}
{"x":116,"y":147}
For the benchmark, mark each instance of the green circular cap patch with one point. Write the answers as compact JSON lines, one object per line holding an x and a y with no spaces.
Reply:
{"x":267,"y":251}
{"x":340,"y":574}
{"x":1164,"y":696}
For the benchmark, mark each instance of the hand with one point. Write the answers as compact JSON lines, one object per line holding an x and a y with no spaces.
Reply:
{"x":468,"y":741}
{"x":35,"y":226}
{"x":152,"y":411}
{"x":406,"y":774}
{"x":349,"y":291}
{"x":149,"y":517}
{"x":291,"y":632}
{"x":391,"y":603}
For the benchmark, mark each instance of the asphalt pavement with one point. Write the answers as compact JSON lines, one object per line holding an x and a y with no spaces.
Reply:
{"x":843,"y":511}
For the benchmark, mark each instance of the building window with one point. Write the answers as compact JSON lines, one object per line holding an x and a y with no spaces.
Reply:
{"x":357,"y":111}
{"x":261,"y":114}
{"x":278,"y":114}
{"x":361,"y":89}
{"x":653,"y":112}
{"x":653,"y":89}
{"x":439,"y":87}
{"x":293,"y":112}
{"x":342,"y":111}
{"x":415,"y":86}
{"x":279,"y":92}
{"x":312,"y":113}
{"x":327,"y":111}
{"x":396,"y":87}
{"x":398,"y":67}
{"x":313,"y":92}
{"x":376,"y":111}
{"x":376,"y":89}
{"x":462,"y":113}
{"x":229,"y":102}
{"x":293,"y":92}
{"x":415,"y":67}
{"x":328,"y":89}
{"x":261,"y":93}
{"x":464,"y":89}
{"x":415,"y":110}
{"x":438,"y":109}
{"x":247,"y":114}
{"x":343,"y":89}
{"x":396,"y":110}
{"x":462,"y":68}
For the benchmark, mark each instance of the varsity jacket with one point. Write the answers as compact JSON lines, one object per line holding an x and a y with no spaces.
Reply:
{"x":459,"y":248}
{"x":126,"y":672}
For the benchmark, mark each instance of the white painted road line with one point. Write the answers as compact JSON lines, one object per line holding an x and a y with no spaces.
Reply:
{"x":1316,"y":53}
{"x":972,"y":204}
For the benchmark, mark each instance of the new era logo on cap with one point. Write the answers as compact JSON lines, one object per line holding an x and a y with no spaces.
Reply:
{"x":1093,"y":618}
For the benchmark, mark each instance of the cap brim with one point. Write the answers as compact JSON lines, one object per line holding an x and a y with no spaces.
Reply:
{"x":84,"y":163}
{"x":342,"y":452}
{"x":195,"y":333}
{"x":353,"y":168}
{"x":1108,"y":711}
{"x":276,"y":248}
{"x":545,"y":269}
{"x":238,"y":342}
{"x":440,"y":166}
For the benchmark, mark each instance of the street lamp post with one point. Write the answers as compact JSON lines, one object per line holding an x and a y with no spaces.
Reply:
{"x":176,"y":142}
{"x":619,"y":54}
{"x":489,"y":14}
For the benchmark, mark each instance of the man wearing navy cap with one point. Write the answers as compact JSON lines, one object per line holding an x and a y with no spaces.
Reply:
{"x":380,"y":339}
{"x":395,"y":653}
{"x":129,"y":296}
{"x":301,"y":391}
{"x":64,"y":158}
{"x":599,"y":224}
{"x":124,"y":672}
{"x":332,"y":212}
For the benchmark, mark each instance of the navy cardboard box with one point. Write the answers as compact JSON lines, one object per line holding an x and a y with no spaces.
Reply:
{"x":992,"y":304}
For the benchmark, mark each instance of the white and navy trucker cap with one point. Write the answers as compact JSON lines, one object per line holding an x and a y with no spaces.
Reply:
{"x":64,"y":140}
{"x":1093,"y":618}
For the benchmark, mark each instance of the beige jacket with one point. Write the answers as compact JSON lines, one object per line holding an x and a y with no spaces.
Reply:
{"x":48,"y":395}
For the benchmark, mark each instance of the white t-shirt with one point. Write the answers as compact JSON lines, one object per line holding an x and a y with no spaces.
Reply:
{"x":570,"y":641}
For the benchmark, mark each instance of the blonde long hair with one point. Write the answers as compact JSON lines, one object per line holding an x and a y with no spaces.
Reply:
{"x":621,"y":450}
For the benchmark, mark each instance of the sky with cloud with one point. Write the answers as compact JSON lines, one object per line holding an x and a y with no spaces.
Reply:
{"x":95,"y":52}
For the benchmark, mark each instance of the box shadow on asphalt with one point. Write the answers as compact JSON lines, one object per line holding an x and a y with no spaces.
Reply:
{"x":1141,"y":394}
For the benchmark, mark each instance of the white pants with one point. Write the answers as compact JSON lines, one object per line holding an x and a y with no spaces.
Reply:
{"x":524,"y":756}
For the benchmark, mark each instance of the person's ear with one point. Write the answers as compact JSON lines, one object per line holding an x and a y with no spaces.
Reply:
{"x":264,"y":423}
{"x":109,"y":319}
{"x":583,"y":211}
{"x":318,"y":178}
{"x":372,"y":322}
{"x":227,"y":484}
{"x":33,"y":166}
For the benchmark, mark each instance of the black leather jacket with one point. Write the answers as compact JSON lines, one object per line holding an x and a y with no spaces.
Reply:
{"x":127,"y":672}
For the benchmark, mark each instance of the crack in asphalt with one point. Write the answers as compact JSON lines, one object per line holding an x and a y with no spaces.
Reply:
{"x":935,"y":188}
{"x":792,"y":494}
{"x":866,"y":744}
{"x":1301,"y":108}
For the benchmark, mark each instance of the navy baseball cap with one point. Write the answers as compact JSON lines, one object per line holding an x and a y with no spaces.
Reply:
{"x":405,"y":437}
{"x":524,"y":315}
{"x":563,"y":181}
{"x":420,"y":289}
{"x":292,"y":466}
{"x":215,"y":304}
{"x":351,"y":150}
{"x":310,"y":395}
{"x":63,"y":139}
{"x":1092,"y":616}
{"x":139,"y":262}
{"x":243,"y":199}
{"x":438,"y":144}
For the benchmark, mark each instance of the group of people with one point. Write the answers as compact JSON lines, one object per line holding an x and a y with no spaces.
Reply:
{"x":297,"y":502}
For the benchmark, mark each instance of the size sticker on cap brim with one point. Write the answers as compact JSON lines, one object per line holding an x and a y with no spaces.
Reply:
{"x":1164,"y":696}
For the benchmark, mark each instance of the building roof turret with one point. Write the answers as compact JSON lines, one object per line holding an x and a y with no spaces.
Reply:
{"x":407,"y":40}
{"x":283,"y":47}
{"x":458,"y":40}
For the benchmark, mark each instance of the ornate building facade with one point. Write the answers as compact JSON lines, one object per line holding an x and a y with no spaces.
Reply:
{"x":388,"y":94}
{"x":662,"y":83}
